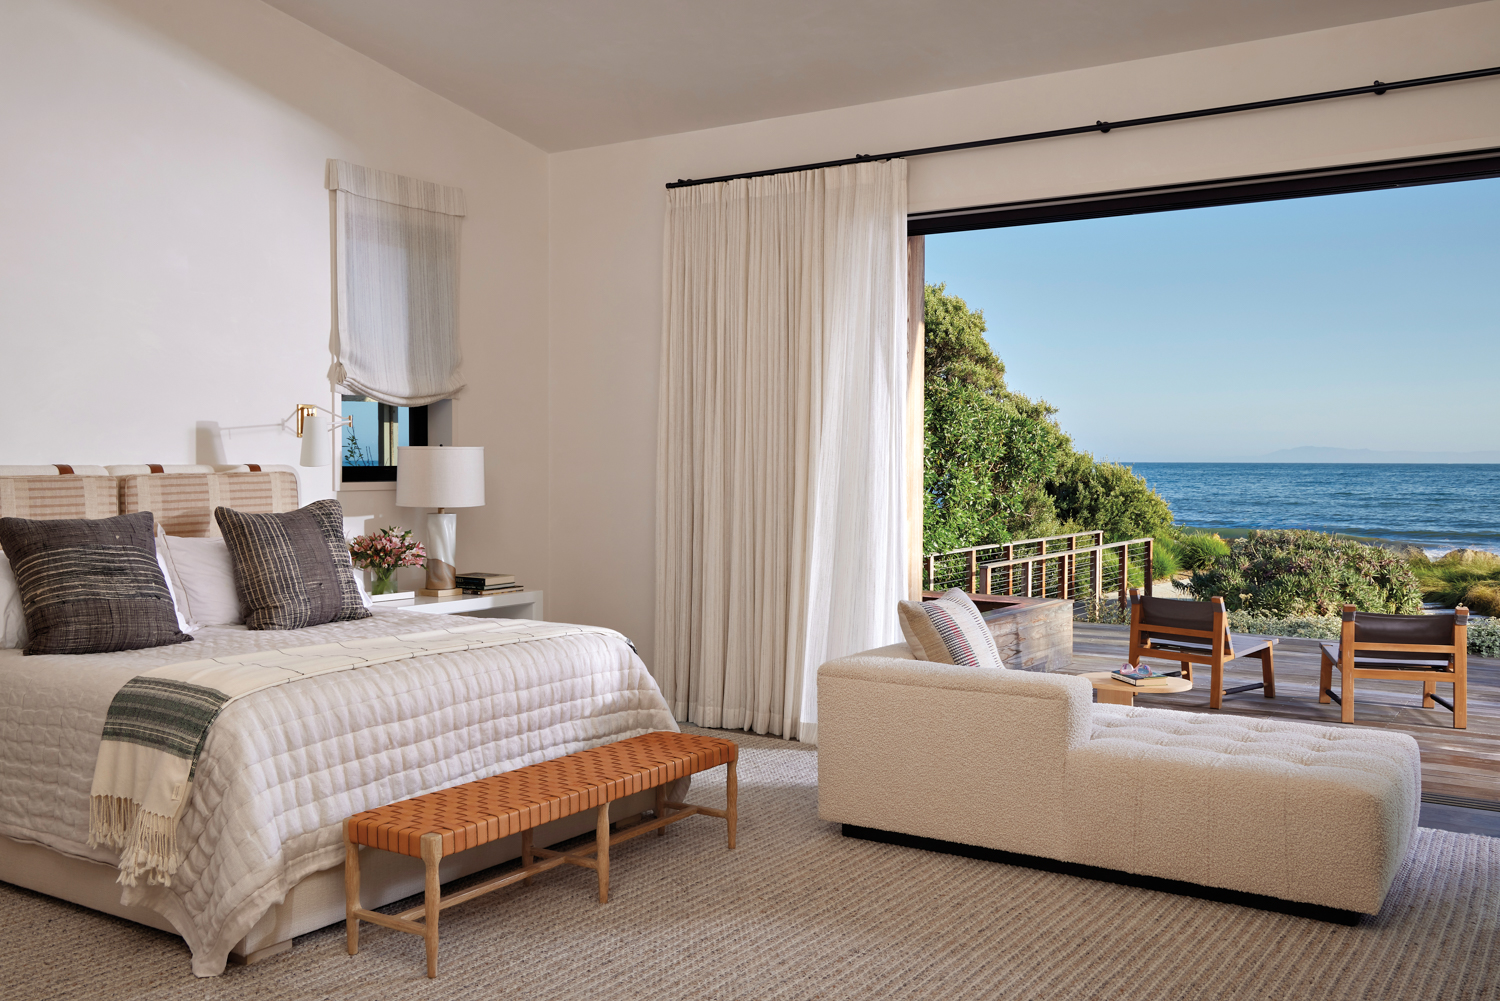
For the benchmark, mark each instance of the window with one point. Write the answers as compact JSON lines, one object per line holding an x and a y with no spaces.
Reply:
{"x":367,"y":448}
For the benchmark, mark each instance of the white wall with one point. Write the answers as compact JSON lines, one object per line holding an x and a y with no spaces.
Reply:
{"x":164,"y":244}
{"x":608,"y":202}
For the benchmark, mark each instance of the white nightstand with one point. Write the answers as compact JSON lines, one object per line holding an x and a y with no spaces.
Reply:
{"x":515,"y":605}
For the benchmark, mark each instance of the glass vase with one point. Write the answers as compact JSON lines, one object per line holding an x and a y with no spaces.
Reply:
{"x":383,"y":582}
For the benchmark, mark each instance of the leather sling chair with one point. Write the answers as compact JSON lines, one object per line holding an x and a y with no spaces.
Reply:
{"x":1426,"y":648}
{"x":1196,"y":632}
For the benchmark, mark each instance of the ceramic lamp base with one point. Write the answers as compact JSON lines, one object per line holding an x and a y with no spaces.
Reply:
{"x":442,"y":540}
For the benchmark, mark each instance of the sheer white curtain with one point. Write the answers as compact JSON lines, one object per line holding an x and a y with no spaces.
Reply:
{"x":780,"y":441}
{"x":395,"y":334}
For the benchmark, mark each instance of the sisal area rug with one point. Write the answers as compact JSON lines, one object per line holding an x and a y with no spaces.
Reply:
{"x":800,"y":912}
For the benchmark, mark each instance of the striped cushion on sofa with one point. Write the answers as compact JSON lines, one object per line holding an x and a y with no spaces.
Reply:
{"x":949,"y":630}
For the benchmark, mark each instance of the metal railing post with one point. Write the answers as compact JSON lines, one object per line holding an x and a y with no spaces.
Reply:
{"x":1150,"y":564}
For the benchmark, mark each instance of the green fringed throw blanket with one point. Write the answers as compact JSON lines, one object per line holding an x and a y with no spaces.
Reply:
{"x":159,"y":721}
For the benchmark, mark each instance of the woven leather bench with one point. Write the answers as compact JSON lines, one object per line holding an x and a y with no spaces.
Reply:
{"x":443,"y":823}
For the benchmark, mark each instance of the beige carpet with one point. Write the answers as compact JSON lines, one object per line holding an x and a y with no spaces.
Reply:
{"x":799,"y":912}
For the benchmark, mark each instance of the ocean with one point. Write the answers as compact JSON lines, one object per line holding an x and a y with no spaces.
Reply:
{"x":1438,"y":507}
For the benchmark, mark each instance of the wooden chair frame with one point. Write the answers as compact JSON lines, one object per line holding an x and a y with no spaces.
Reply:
{"x":1221,"y":649}
{"x":1344,"y":655}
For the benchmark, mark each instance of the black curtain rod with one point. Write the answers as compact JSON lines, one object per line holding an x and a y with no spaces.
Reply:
{"x":1328,"y":95}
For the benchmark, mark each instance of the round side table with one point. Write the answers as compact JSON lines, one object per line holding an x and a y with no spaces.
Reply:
{"x":1107,"y":689}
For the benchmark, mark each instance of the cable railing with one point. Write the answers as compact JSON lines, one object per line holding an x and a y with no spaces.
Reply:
{"x":1077,"y":566}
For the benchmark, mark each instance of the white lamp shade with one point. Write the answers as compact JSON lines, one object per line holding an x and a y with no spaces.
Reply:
{"x":316,"y":450}
{"x":439,"y":476}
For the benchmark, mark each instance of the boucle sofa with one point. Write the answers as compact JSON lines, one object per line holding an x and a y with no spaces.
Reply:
{"x":1025,"y":763}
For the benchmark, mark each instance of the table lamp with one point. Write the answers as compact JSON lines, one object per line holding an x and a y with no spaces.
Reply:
{"x":440,"y":476}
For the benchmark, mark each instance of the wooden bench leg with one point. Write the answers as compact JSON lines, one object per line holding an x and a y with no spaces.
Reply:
{"x":526,"y":854}
{"x":731,"y":801}
{"x":1268,"y":673}
{"x":351,"y":887}
{"x":1429,"y":689}
{"x":432,"y":854}
{"x":601,"y":840}
{"x":1216,"y":685}
{"x":1346,"y":696}
{"x":661,"y":808}
{"x":1325,"y":678}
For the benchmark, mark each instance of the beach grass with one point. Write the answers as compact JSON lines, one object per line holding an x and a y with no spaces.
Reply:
{"x":1467,"y":576}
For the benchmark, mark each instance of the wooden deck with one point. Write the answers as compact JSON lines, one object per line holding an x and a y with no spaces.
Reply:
{"x":1460,"y":768}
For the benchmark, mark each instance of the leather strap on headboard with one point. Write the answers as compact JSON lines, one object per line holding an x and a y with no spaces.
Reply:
{"x":253,"y":467}
{"x":155,"y":467}
{"x":63,"y":470}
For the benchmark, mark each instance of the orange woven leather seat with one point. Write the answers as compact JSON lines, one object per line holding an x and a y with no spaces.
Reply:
{"x":475,"y":813}
{"x":442,"y":823}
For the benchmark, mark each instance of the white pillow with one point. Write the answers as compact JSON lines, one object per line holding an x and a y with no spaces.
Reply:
{"x":203,"y":574}
{"x":359,"y":582}
{"x":183,"y":622}
{"x":204,"y":577}
{"x":12,"y":616}
{"x":13,"y":633}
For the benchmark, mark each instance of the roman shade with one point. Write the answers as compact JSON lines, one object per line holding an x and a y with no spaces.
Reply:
{"x":395,"y":333}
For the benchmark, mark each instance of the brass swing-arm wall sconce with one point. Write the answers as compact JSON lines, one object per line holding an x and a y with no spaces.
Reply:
{"x":316,"y":449}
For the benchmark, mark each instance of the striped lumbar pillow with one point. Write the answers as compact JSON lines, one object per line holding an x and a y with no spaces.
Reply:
{"x":949,"y":630}
{"x":90,"y":585}
{"x":292,"y":569}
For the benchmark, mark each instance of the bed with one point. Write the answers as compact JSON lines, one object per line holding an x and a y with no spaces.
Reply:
{"x":282,"y":768}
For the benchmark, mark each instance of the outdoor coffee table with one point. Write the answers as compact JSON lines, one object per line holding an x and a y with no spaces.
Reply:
{"x":1107,"y":689}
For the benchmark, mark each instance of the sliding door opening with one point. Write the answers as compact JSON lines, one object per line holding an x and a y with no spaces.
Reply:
{"x":1311,"y":351}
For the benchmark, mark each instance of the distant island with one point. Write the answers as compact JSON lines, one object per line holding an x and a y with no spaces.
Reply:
{"x":1316,"y":453}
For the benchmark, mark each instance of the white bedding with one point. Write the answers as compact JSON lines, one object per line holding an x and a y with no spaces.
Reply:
{"x":283,"y":767}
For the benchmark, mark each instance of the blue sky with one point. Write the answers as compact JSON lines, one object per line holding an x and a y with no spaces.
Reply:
{"x":1366,"y":320}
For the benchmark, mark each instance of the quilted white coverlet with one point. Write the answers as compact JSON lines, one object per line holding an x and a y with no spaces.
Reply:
{"x":283,"y":767}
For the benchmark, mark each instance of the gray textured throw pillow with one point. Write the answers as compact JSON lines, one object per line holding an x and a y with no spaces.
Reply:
{"x":292,"y":569}
{"x":90,"y":585}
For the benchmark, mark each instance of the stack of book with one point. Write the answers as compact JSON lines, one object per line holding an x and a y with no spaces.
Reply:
{"x":487,"y":583}
{"x":1144,"y":676}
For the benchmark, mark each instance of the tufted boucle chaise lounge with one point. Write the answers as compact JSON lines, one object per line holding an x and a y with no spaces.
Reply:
{"x":1025,"y":763}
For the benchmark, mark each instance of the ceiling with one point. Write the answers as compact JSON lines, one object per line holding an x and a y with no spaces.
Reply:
{"x":565,"y":74}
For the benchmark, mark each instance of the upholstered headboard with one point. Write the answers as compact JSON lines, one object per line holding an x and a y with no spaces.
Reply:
{"x":182,"y":502}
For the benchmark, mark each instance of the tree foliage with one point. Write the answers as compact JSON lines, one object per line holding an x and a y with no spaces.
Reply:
{"x":1107,"y":497}
{"x":997,"y":465}
{"x":986,"y":448}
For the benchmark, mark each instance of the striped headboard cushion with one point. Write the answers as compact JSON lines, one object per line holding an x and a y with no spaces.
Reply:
{"x":183,"y":503}
{"x":50,"y":497}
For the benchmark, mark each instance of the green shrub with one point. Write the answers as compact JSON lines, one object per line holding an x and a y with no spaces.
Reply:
{"x":1199,"y":552}
{"x":1317,"y":627}
{"x":1295,"y":574}
{"x":1483,"y":598}
{"x":1104,"y":496}
{"x":1105,"y":610}
{"x":1164,"y":559}
{"x":1464,"y":575}
{"x":1484,"y":637}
